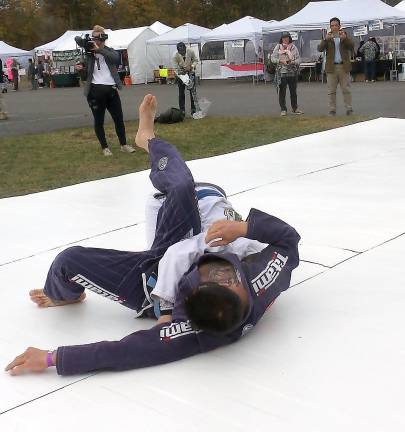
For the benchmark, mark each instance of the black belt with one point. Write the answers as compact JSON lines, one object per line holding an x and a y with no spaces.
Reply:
{"x":338,"y":63}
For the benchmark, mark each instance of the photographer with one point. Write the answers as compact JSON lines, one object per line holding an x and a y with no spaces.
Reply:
{"x":102,"y":84}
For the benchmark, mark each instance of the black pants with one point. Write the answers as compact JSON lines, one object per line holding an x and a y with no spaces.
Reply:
{"x":292,"y":85}
{"x":369,"y":70}
{"x":15,"y":78}
{"x":100,"y":98}
{"x":182,"y":97}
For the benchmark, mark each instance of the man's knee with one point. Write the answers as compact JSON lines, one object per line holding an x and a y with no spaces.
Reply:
{"x":67,"y":256}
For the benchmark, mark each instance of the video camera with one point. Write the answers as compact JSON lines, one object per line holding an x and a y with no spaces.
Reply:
{"x":87,"y":42}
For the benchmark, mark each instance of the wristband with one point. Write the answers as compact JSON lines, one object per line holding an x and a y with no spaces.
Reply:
{"x":49,"y":359}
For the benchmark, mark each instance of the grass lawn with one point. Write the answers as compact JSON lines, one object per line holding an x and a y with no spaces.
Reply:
{"x":33,"y":163}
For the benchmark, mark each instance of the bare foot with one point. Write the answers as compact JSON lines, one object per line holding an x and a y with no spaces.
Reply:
{"x":147,"y":112}
{"x":38,"y":296}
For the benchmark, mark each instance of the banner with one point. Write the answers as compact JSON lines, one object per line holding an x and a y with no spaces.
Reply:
{"x":360,"y":30}
{"x":294,"y":35}
{"x":375,"y":25}
{"x":62,"y":56}
{"x":238,"y":43}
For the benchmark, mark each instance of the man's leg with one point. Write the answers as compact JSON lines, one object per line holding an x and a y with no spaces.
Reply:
{"x":103,"y":271}
{"x":332,"y":80}
{"x":178,"y":216}
{"x":344,"y":80}
{"x":182,"y":95}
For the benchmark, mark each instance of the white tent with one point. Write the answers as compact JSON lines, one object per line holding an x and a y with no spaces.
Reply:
{"x":62,"y":43}
{"x":401,"y":6}
{"x":7,"y":51}
{"x":160,"y":28}
{"x":141,"y":64}
{"x":187,"y":33}
{"x":245,"y":28}
{"x":316,"y":15}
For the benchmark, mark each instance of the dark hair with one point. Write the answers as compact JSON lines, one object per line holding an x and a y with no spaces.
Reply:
{"x":181,"y":45}
{"x":284,"y":35}
{"x":214,"y":308}
{"x":334,"y":19}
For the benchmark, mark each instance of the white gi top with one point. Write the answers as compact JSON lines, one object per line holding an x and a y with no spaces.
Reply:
{"x":179,"y":257}
{"x":101,"y":73}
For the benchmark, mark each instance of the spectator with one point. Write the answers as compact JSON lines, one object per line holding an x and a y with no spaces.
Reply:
{"x":370,"y":52}
{"x":338,"y":47}
{"x":32,"y":74}
{"x":287,"y":59}
{"x":15,"y":66}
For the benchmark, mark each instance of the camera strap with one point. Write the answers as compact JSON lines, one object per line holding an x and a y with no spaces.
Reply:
{"x":98,"y":63}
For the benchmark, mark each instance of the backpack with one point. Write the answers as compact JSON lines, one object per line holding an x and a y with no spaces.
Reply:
{"x":172,"y":115}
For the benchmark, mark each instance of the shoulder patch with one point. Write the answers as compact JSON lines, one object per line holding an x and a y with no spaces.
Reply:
{"x":163,"y":163}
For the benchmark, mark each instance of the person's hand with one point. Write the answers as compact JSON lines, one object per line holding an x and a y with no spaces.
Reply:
{"x":32,"y":360}
{"x":225,"y":232}
{"x":329,"y":36}
{"x":282,"y":61}
{"x":342,"y":35}
{"x":79,"y":67}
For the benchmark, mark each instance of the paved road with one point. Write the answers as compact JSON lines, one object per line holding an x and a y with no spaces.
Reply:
{"x":46,"y":110}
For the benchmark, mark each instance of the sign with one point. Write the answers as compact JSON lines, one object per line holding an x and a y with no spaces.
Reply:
{"x":294,"y":35}
{"x":360,"y":30}
{"x":238,"y":43}
{"x":62,"y":56}
{"x":375,"y":25}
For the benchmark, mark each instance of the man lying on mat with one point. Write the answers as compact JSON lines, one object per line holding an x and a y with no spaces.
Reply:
{"x":203,"y":298}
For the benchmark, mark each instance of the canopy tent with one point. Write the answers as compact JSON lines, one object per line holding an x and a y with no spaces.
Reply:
{"x":160,"y":28}
{"x":187,"y":33}
{"x":63,"y":42}
{"x":7,"y":51}
{"x":316,"y":15}
{"x":249,"y":28}
{"x":358,"y":17}
{"x":401,"y":5}
{"x":134,"y":41}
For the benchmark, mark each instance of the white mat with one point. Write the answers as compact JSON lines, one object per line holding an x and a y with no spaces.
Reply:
{"x":328,"y":356}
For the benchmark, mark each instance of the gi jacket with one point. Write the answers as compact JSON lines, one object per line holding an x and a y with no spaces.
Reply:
{"x":264,"y":275}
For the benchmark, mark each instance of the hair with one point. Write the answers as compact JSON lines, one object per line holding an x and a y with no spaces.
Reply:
{"x":214,"y":308}
{"x":334,"y":19}
{"x":181,"y":45}
{"x":284,"y":36}
{"x":98,"y":29}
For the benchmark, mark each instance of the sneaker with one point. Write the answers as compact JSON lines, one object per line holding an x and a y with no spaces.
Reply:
{"x":349,"y":112}
{"x":107,"y":152}
{"x":298,"y":112}
{"x":283,"y":113}
{"x":127,"y":148}
{"x":332,"y":113}
{"x":3,"y":115}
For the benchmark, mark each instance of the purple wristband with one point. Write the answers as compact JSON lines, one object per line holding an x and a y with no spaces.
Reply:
{"x":49,"y":359}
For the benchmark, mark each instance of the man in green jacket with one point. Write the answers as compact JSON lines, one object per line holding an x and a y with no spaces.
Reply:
{"x":338,"y":47}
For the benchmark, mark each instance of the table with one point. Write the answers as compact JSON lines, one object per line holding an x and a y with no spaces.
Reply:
{"x":310,"y":66}
{"x":66,"y":80}
{"x":241,"y":70}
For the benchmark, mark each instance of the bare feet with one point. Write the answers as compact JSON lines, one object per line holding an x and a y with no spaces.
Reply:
{"x":147,"y":112}
{"x":43,"y":301}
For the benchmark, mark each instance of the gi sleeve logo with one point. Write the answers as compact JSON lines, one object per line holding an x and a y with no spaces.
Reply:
{"x":268,"y":276}
{"x":176,"y":330}
{"x":163,"y":163}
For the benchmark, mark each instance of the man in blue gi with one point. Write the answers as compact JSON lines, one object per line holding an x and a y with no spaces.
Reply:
{"x":219,"y":298}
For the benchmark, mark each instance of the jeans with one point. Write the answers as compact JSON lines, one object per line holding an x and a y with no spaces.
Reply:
{"x":291,"y":81}
{"x":100,"y":98}
{"x":369,"y":70}
{"x":182,"y":97}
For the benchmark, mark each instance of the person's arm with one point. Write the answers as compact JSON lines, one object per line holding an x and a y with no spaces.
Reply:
{"x":296,"y":57}
{"x":275,"y":58}
{"x":323,"y":45}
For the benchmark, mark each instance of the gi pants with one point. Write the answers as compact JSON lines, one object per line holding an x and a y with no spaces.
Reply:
{"x":124,"y":276}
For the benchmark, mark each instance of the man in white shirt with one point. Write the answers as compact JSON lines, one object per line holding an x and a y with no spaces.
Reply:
{"x":102,"y":84}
